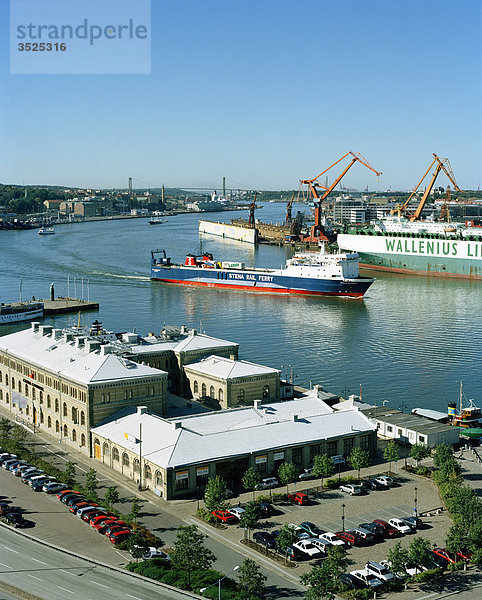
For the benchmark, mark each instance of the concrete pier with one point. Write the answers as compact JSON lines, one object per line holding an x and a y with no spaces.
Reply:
{"x":59,"y":306}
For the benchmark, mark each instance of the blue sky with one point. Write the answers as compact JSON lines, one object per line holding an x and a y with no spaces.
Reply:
{"x":264,"y":92}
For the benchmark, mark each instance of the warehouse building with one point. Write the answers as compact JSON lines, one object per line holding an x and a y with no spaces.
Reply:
{"x":175,"y":457}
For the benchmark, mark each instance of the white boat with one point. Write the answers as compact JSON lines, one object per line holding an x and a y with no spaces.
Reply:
{"x":20,"y":311}
{"x":46,"y":231}
{"x":155,"y":221}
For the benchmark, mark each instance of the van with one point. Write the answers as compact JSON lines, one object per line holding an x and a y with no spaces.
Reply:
{"x":365,"y":535}
{"x":380,"y":571}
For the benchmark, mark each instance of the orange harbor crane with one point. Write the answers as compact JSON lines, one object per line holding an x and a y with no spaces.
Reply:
{"x":443,"y":164}
{"x":317,"y":233}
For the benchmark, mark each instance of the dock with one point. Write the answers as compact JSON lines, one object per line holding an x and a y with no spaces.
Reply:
{"x":59,"y":306}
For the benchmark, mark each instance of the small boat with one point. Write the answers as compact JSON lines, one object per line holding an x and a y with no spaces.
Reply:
{"x":468,"y":419}
{"x":20,"y":311}
{"x":46,"y":231}
{"x":155,"y":221}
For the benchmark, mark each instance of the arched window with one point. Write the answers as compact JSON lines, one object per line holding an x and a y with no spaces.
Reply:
{"x":20,"y":387}
{"x":136,"y":465}
{"x":241,"y":395}
{"x":147,"y":472}
{"x":74,"y":435}
{"x":196,"y":386}
{"x":82,"y":440}
{"x":49,"y":422}
{"x":27,"y":410}
{"x":66,"y":431}
{"x":48,"y":400}
{"x":65,"y":409}
{"x":266,"y":391}
{"x":57,"y":427}
{"x":41,"y":416}
{"x":82,"y":417}
{"x":13,"y":383}
{"x":115,"y":454}
{"x":56,"y":405}
{"x":125,"y":459}
{"x":212,"y":394}
{"x":220,"y":395}
{"x":74,"y":414}
{"x":105,"y":450}
{"x":159,"y":479}
{"x":203,"y":390}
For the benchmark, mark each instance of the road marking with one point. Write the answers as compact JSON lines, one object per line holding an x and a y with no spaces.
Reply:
{"x":65,"y":589}
{"x":6,"y":566}
{"x":68,"y":572}
{"x":97,"y":583}
{"x":39,"y":561}
{"x":33,"y":577}
{"x":131,"y":596}
{"x":11,"y":549}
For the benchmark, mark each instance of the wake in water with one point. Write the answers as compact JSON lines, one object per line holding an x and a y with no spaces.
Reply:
{"x":117,"y":276}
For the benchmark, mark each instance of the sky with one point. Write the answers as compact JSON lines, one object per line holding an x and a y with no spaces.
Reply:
{"x":263,"y":92}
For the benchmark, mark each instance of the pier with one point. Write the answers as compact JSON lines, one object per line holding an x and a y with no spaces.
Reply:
{"x":59,"y":306}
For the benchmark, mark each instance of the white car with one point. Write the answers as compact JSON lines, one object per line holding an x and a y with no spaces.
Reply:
{"x":400,"y":526}
{"x":331,"y":538}
{"x":307,"y":474}
{"x":351,"y":488}
{"x":237,"y":511}
{"x":307,"y":547}
{"x":322,"y":545}
{"x":266,"y":484}
{"x":155,"y":553}
{"x":368,"y":578}
{"x":380,"y":571}
{"x":384,"y":480}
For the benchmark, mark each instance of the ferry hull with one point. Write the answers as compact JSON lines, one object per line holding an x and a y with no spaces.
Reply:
{"x":21,"y":316}
{"x":260,"y":282}
{"x":417,"y":255}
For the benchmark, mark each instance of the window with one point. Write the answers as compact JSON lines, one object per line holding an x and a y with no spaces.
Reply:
{"x":400,"y":433}
{"x":152,"y":390}
{"x":389,"y":428}
{"x":64,"y":412}
{"x":13,"y":383}
{"x":147,"y":472}
{"x":66,"y":431}
{"x":48,"y":401}
{"x":105,"y":450}
{"x":241,"y":395}
{"x":421,"y":439}
{"x":315,"y":449}
{"x":365,"y":442}
{"x":82,"y":440}
{"x":211,"y":392}
{"x":57,"y":427}
{"x":125,"y":460}
{"x":159,"y":480}
{"x":203,"y":390}
{"x":181,"y":484}
{"x":56,"y":405}
{"x":74,"y":415}
{"x":74,"y":435}
{"x":332,"y":448}
{"x":348,"y":446}
{"x":136,"y":465}
{"x":49,"y":422}
{"x":115,"y":454}
{"x":266,"y":391}
{"x":220,"y":395}
{"x":196,"y":386}
{"x":82,"y":418}
{"x":297,"y":456}
{"x":41,"y":397}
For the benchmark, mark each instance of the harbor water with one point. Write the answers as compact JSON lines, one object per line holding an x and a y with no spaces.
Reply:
{"x":410,"y":341}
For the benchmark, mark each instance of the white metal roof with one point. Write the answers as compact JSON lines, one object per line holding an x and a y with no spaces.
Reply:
{"x":225,"y":368}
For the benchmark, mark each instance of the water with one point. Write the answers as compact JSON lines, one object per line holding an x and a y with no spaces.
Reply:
{"x":409,"y":341}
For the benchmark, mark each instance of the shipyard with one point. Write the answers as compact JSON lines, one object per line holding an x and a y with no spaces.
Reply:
{"x":240,"y":325}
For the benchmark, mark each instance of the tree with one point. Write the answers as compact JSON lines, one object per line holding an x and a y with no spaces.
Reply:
{"x":443,"y":453}
{"x":419,"y":451}
{"x":320,"y":583}
{"x":5,"y":429}
{"x":91,"y":483}
{"x":457,"y":539}
{"x":251,"y":479}
{"x":189,"y":552}
{"x":137,"y":546}
{"x":336,"y":560}
{"x":251,"y":582}
{"x":359,"y":459}
{"x":399,"y":558}
{"x":111,"y":495}
{"x":391,"y":453}
{"x":17,"y":435}
{"x":249,"y":517}
{"x":419,"y":551}
{"x":323,"y":467}
{"x":69,"y":474}
{"x":286,"y":537}
{"x":135,"y":508}
{"x":215,"y":494}
{"x":287,"y":473}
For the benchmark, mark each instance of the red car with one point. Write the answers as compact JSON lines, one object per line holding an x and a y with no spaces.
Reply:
{"x":351,"y":539}
{"x":445,"y":554}
{"x":102,"y":524}
{"x":87,"y":516}
{"x":79,"y":504}
{"x":119,"y":536}
{"x":100,"y":518}
{"x":464,"y":554}
{"x":388,"y":530}
{"x":115,"y":526}
{"x":224,"y":516}
{"x":299,"y":498}
{"x":63,"y":492}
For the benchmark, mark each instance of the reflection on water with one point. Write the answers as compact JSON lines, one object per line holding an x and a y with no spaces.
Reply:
{"x":409,"y":341}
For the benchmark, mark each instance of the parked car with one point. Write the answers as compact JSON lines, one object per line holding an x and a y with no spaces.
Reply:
{"x":6,"y":457}
{"x":78,"y":505}
{"x":413,"y":522}
{"x":26,"y":477}
{"x":53,"y":487}
{"x":267,"y":483}
{"x":4,"y":508}
{"x":86,"y":515}
{"x":445,"y":554}
{"x":367,"y":578}
{"x":322,"y":545}
{"x":371,"y":484}
{"x":38,"y":484}
{"x":307,"y":548}
{"x":19,"y":468}
{"x":264,"y":538}
{"x":384,"y":481}
{"x":313,"y":530}
{"x":290,"y":552}
{"x":331,"y":538}
{"x":15,"y":519}
{"x":103,"y":524}
{"x":119,"y":536}
{"x":366,"y":536}
{"x":299,"y":498}
{"x":388,"y":565}
{"x":351,"y":488}
{"x":306,"y":474}
{"x":66,"y":498}
{"x":10,"y":462}
{"x":63,"y":493}
{"x":265,"y":509}
{"x":237,"y":511}
{"x":439,"y":561}
{"x":464,"y":554}
{"x":374,"y":528}
{"x":388,"y":530}
{"x":400,"y":525}
{"x":155,"y":553}
{"x":224,"y":516}
{"x":351,"y":539}
{"x":115,"y":527}
{"x":39,"y":479}
{"x":380,"y":571}
{"x":351,"y":583}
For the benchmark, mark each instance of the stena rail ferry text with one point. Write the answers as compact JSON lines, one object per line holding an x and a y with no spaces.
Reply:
{"x":308,"y":273}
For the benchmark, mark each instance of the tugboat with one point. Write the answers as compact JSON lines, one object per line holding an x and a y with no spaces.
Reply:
{"x":46,"y":231}
{"x":468,"y":419}
{"x":308,"y":273}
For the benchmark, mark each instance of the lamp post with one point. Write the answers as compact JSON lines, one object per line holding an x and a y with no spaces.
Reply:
{"x":343,"y":517}
{"x":218,"y":583}
{"x":415,"y":503}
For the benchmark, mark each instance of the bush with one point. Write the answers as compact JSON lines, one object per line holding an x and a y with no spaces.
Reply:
{"x":422,"y":470}
{"x":366,"y":594}
{"x":205,"y":515}
{"x":458,"y":566}
{"x":335,"y":483}
{"x":476,"y":557}
{"x":427,"y":575}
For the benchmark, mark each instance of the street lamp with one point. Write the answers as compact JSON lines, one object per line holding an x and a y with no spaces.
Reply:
{"x":343,"y":517}
{"x":218,"y":583}
{"x":415,"y":503}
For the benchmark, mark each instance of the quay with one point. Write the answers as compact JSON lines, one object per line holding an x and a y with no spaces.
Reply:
{"x":60,"y":305}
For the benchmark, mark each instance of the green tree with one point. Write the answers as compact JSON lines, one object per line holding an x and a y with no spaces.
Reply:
{"x":17,"y":436}
{"x":359,"y":459}
{"x":91,"y":483}
{"x":457,"y":539}
{"x":5,"y":430}
{"x":69,"y":474}
{"x":189,"y":553}
{"x":137,"y":546}
{"x":251,"y":582}
{"x":135,"y":508}
{"x":391,"y":453}
{"x":286,"y":537}
{"x":215,"y":494}
{"x":320,"y":583}
{"x":399,"y":558}
{"x":419,"y":551}
{"x":419,"y":451}
{"x":337,"y":561}
{"x":287,"y":473}
{"x":111,"y":495}
{"x":250,"y":517}
{"x":323,"y":467}
{"x":443,"y":453}
{"x":251,"y":479}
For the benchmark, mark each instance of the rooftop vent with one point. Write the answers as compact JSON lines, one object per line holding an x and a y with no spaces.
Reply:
{"x":129,"y":338}
{"x":257,"y":404}
{"x":79,"y":342}
{"x":92,"y":345}
{"x":106,"y":349}
{"x":141,"y":410}
{"x":177,"y":425}
{"x":68,"y":337}
{"x":183,"y":329}
{"x":45,"y":329}
{"x":295,"y":417}
{"x":34,"y":325}
{"x":57,"y":334}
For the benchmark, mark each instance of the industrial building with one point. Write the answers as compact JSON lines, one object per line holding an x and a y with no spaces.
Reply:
{"x":175,"y":457}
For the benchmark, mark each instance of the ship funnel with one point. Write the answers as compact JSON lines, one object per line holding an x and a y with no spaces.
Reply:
{"x":451,"y":410}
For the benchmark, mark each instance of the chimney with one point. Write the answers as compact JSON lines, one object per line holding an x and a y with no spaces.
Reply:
{"x":105,"y":349}
{"x":257,"y":404}
{"x":183,"y":329}
{"x":45,"y":329}
{"x":79,"y":342}
{"x":295,"y":417}
{"x":57,"y":334}
{"x":34,"y":325}
{"x":92,"y":345}
{"x":142,"y":410}
{"x":68,"y":337}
